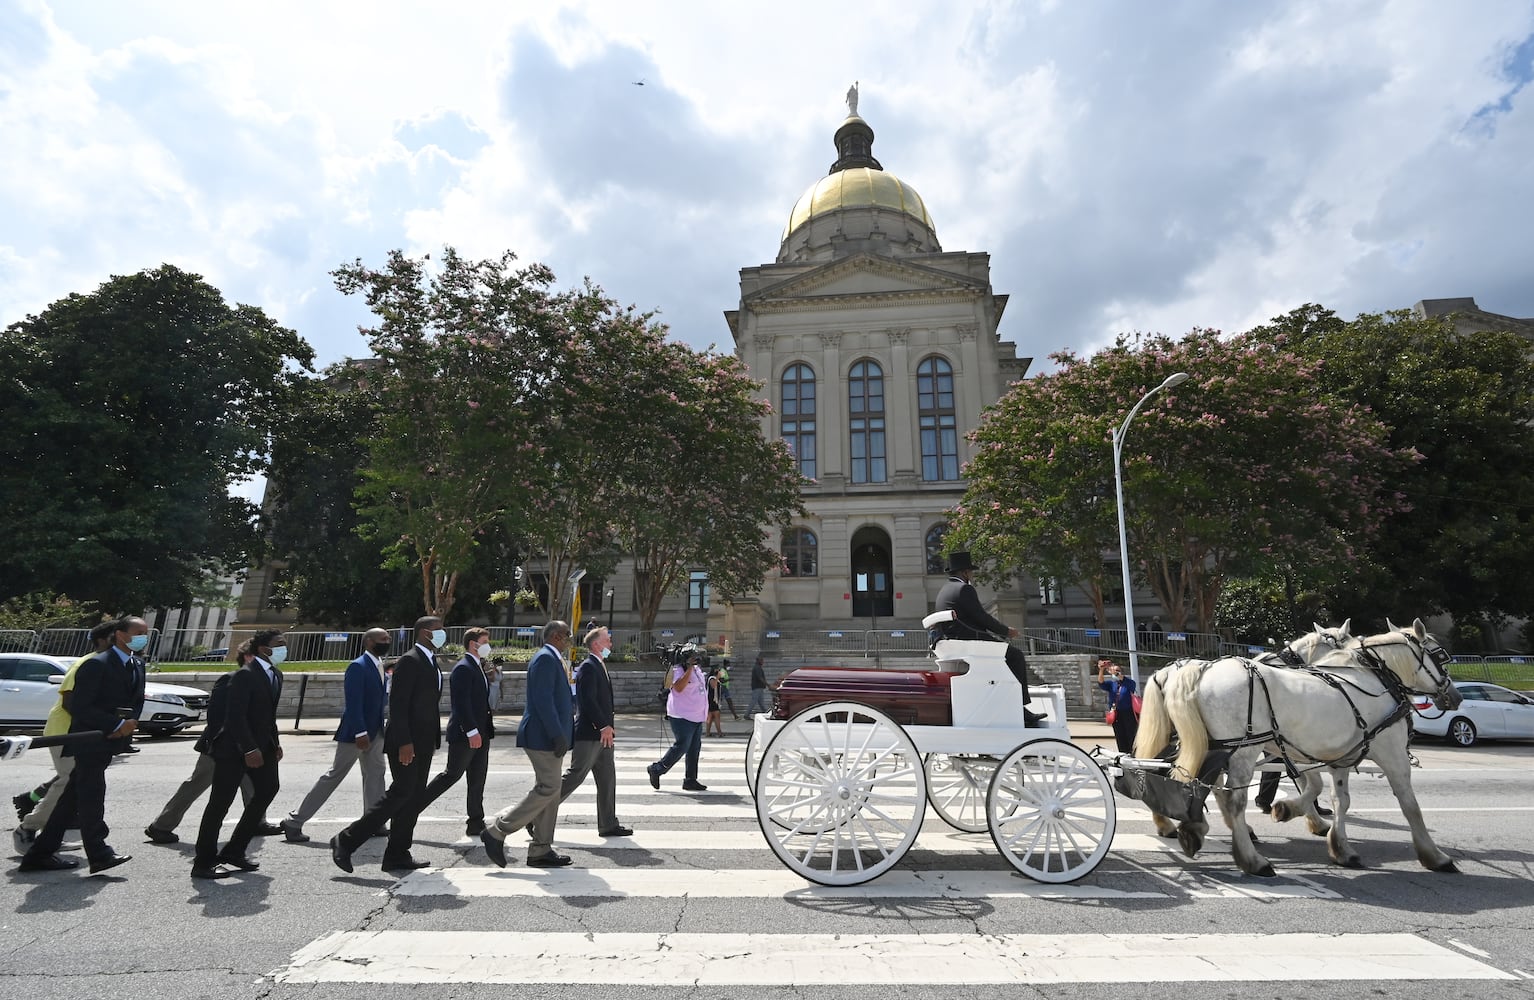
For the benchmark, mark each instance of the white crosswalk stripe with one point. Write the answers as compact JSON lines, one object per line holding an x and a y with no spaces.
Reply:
{"x":708,"y":846}
{"x":881,"y":960}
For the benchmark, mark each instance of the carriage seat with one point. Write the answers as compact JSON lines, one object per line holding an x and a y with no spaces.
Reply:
{"x":955,"y":655}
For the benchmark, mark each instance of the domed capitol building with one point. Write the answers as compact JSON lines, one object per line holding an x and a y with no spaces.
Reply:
{"x":878,"y":350}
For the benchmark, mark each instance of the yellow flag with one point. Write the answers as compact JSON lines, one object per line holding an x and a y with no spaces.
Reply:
{"x":575,"y":622}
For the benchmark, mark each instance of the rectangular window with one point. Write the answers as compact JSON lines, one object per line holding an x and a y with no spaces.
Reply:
{"x":697,"y":591}
{"x":868,"y":450}
{"x":1050,"y":591}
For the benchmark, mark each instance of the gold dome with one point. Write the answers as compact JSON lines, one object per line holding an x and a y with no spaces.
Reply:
{"x":858,"y":187}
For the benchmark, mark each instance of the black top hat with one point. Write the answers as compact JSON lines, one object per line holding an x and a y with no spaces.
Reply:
{"x":959,"y":561}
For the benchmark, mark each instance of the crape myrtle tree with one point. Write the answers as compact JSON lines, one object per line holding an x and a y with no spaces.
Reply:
{"x":130,"y":412}
{"x":697,"y":480}
{"x":1247,"y":467}
{"x":466,"y":351}
{"x":1464,"y":539}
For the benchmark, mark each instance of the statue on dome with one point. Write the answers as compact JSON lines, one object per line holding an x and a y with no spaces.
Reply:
{"x":852,"y":99}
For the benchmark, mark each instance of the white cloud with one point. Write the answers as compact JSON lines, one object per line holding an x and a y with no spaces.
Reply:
{"x":1127,"y":166}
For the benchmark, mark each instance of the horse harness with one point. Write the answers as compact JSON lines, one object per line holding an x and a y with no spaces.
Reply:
{"x":1371,"y":659}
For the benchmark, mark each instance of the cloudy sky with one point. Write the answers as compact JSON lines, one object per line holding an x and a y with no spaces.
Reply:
{"x":1152,"y":166}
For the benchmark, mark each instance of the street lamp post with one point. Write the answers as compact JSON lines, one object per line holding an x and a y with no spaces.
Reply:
{"x":1118,"y":486}
{"x":609,"y":610}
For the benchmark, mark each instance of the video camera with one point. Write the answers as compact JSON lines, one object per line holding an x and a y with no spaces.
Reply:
{"x":676,"y":654}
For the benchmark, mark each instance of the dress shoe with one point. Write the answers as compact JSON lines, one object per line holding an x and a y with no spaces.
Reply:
{"x":51,"y":863}
{"x":131,"y":750}
{"x":404,"y":863}
{"x":617,"y":831}
{"x":694,"y":786}
{"x":244,"y":864}
{"x":1033,"y":720}
{"x":494,"y":846}
{"x":109,"y":861}
{"x":1323,"y":811}
{"x":293,"y":832}
{"x":219,"y":870}
{"x":23,"y":804}
{"x":654,"y":778}
{"x":340,"y":855}
{"x":474,"y":828}
{"x":158,"y":836}
{"x":550,"y":860}
{"x":1263,"y":804}
{"x":382,"y":831}
{"x":22,"y":840}
{"x":268,"y":830}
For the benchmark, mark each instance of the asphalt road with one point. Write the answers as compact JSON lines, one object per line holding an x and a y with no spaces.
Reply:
{"x":698,"y":884}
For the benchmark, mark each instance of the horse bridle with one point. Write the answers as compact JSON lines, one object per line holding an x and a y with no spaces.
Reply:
{"x":1431,"y":660}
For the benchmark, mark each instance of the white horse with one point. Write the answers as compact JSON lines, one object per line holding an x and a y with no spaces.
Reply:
{"x":1350,"y":704}
{"x":1155,"y":732}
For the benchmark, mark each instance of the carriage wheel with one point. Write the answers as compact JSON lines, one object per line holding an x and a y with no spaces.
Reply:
{"x":840,"y":793}
{"x":1051,"y":811}
{"x":753,"y":760}
{"x":957,"y":788}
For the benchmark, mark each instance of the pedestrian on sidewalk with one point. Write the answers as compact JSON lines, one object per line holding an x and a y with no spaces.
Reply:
{"x":411,"y":737}
{"x":1121,"y":698}
{"x":162,"y":829}
{"x":724,"y":688}
{"x":712,"y":726}
{"x":246,"y":747}
{"x":469,"y":730}
{"x":594,"y":753}
{"x":761,"y":704}
{"x":545,"y":735}
{"x":108,"y":698}
{"x":686,"y":710}
{"x":358,"y":739}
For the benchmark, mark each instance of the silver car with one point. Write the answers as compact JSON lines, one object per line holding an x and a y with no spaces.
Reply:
{"x":1488,"y":712}
{"x":29,"y":688}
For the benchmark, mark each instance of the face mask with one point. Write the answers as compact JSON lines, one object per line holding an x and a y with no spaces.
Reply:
{"x":439,"y":638}
{"x":138,"y":643}
{"x":607,"y":652}
{"x":279,"y":655}
{"x":379,"y":649}
{"x":482,"y":651}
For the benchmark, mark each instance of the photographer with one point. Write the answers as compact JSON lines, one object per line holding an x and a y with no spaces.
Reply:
{"x":686,"y":710}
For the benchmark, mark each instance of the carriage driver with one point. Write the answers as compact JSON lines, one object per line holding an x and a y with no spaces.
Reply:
{"x":971,"y":622}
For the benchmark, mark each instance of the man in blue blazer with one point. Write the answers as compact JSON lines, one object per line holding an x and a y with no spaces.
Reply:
{"x":469,"y":729}
{"x":545,"y":735}
{"x":357,"y":737}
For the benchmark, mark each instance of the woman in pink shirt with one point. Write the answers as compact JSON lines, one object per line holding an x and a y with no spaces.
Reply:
{"x":686,"y":709}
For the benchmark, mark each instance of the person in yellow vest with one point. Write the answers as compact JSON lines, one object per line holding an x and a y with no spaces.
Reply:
{"x":57,"y":724}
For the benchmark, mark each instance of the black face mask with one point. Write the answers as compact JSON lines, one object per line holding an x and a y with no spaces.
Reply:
{"x":379,"y":649}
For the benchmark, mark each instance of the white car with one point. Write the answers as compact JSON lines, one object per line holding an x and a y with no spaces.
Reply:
{"x":29,"y":688}
{"x":1488,"y":712}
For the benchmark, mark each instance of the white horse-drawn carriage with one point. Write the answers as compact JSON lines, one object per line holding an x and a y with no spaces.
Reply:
{"x":842,"y":785}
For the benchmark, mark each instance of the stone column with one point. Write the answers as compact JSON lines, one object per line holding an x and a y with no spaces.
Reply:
{"x":831,"y":413}
{"x":900,"y":420}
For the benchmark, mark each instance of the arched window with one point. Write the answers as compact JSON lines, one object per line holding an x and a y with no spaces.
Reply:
{"x":801,"y":552}
{"x":865,"y":402}
{"x":798,"y":416}
{"x":939,"y":426}
{"x":935,"y":535}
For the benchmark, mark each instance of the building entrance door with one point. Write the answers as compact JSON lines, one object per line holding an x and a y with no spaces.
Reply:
{"x":873,"y":586}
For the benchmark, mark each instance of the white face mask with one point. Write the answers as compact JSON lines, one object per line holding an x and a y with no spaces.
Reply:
{"x":279,"y":656}
{"x":606,"y":652}
{"x":439,"y":638}
{"x":482,"y":651}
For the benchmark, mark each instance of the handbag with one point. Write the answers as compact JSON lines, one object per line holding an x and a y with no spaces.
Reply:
{"x":1135,"y":700}
{"x":1112,"y":713}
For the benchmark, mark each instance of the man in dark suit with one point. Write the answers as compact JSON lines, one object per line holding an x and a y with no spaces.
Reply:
{"x":413,"y":734}
{"x":972,"y":622}
{"x":469,"y":729}
{"x":246,"y":746}
{"x":545,"y":735}
{"x":593,"y":752}
{"x":107,"y":698}
{"x":358,"y":738}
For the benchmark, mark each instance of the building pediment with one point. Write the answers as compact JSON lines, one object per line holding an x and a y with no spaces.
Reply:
{"x":864,"y":277}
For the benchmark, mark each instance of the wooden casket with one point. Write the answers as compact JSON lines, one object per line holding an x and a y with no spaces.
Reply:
{"x":909,"y":697}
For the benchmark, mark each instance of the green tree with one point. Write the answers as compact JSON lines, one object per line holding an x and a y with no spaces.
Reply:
{"x":1241,"y":470}
{"x":324,"y":567}
{"x":1463,"y":539}
{"x":466,"y":357}
{"x":130,"y":411}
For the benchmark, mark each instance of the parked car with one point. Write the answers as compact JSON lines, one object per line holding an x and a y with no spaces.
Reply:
{"x":210,"y":656}
{"x":1488,"y":712}
{"x":29,"y":688}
